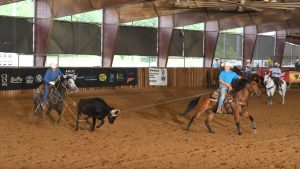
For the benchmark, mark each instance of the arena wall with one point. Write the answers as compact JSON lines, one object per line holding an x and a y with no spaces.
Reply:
{"x":177,"y":78}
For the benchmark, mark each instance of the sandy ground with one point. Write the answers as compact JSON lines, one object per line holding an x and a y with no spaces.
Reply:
{"x":151,"y":137}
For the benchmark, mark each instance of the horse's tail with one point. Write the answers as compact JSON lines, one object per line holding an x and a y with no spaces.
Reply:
{"x":193,"y":103}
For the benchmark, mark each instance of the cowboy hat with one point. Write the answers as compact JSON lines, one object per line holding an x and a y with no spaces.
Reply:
{"x":53,"y":65}
{"x":228,"y":64}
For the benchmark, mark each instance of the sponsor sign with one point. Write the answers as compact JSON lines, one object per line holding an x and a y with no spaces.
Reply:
{"x":158,"y":77}
{"x":31,"y":78}
{"x":4,"y":79}
{"x":38,"y":78}
{"x":16,"y":80}
{"x":102,"y":77}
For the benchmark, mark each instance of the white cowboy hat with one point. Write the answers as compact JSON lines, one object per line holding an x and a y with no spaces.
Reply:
{"x":228,"y":64}
{"x":53,"y":65}
{"x":248,"y":60}
{"x":276,"y":64}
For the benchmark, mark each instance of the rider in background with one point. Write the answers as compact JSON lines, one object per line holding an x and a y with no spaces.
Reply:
{"x":49,"y":79}
{"x":217,"y":64}
{"x":248,"y":69}
{"x":276,"y":74}
{"x":225,"y":79}
{"x":297,"y":65}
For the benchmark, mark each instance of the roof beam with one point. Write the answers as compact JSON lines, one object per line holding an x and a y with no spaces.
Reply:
{"x":69,"y":7}
{"x":4,"y":2}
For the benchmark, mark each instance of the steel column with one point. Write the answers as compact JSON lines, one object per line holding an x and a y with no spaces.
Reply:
{"x":250,"y":35}
{"x":110,"y":32}
{"x":280,"y":44}
{"x":165,"y":29}
{"x":210,"y":42}
{"x":43,"y":23}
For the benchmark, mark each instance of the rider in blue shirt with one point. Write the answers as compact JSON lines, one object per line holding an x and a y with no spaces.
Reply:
{"x":49,"y":79}
{"x":225,"y":79}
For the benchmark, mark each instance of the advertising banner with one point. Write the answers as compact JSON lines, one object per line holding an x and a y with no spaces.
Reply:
{"x":292,"y":76}
{"x":158,"y":77}
{"x":31,"y":78}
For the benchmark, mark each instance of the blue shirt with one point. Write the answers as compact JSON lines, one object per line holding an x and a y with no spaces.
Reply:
{"x":52,"y":76}
{"x":228,"y":76}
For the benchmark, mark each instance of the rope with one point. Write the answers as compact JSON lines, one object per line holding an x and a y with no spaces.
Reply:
{"x":64,"y":104}
{"x":169,"y":101}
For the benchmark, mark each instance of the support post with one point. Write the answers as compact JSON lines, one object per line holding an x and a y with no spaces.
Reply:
{"x":110,"y":32}
{"x":43,"y":23}
{"x":250,"y":36}
{"x":165,"y":30}
{"x":210,"y":42}
{"x":280,"y":44}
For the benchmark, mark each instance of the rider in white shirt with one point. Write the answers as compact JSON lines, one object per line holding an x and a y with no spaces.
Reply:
{"x":276,"y":74}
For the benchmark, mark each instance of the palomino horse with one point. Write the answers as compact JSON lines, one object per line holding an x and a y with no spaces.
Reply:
{"x":238,"y":105}
{"x":271,"y":88}
{"x":56,"y":96}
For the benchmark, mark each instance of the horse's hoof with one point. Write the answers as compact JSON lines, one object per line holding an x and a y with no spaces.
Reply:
{"x":239,"y":134}
{"x":254,"y":131}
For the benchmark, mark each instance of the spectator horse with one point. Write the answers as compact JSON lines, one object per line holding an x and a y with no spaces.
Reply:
{"x":55,"y":100}
{"x":236,"y":105}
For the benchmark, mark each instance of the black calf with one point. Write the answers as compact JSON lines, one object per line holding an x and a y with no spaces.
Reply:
{"x":95,"y":108}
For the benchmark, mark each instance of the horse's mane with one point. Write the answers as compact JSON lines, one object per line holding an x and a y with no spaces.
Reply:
{"x":238,"y":85}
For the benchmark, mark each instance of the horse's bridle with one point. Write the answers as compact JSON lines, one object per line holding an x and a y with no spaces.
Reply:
{"x":67,"y":90}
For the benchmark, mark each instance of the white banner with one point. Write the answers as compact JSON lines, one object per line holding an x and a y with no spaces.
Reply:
{"x":158,"y":77}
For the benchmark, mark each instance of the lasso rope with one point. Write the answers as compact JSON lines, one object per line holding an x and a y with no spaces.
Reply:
{"x":169,"y":101}
{"x":121,"y":111}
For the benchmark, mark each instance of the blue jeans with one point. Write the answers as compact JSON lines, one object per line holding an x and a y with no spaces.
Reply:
{"x":45,"y":93}
{"x":248,"y":74}
{"x":223,"y":90}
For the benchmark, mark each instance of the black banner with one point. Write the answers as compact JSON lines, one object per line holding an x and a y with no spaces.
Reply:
{"x":31,"y":78}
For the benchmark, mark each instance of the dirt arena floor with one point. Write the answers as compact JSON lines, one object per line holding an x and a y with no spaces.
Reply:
{"x":150,"y":137}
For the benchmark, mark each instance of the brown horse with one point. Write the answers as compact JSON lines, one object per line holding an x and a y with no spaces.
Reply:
{"x":212,"y":77}
{"x":237,"y":106}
